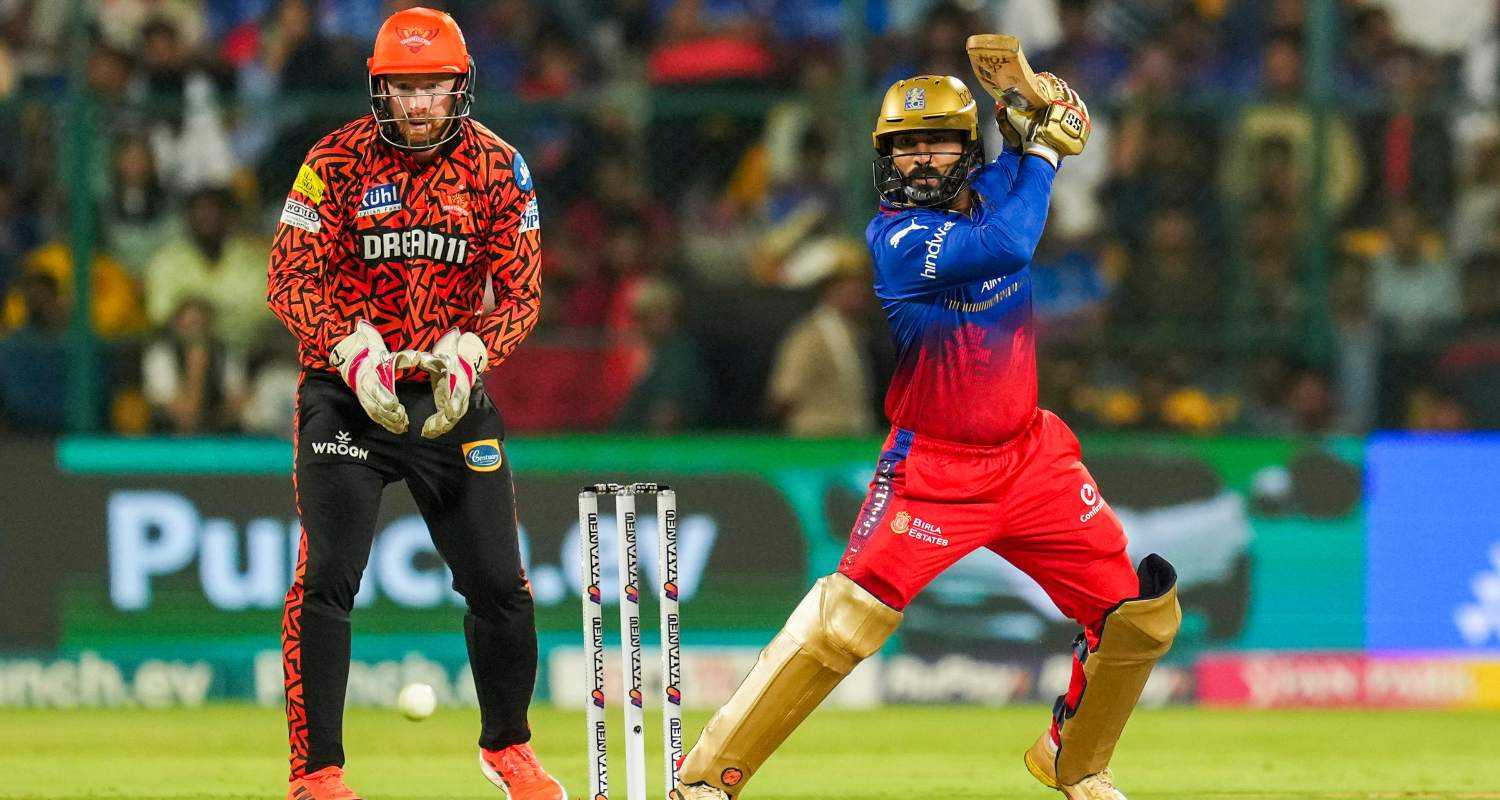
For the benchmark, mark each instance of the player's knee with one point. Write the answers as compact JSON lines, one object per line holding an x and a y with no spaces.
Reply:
{"x":1153,"y":616}
{"x":493,"y":595}
{"x":329,"y":588}
{"x":842,"y":623}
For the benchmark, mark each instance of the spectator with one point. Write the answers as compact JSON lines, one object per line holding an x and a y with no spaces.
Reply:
{"x":210,"y":261}
{"x":672,"y":393}
{"x":191,"y":381}
{"x":17,"y":231}
{"x":116,"y":297}
{"x":136,"y":218}
{"x":1357,"y":346}
{"x":34,"y":359}
{"x":1282,"y":118}
{"x":1476,"y":209}
{"x":1172,"y":291}
{"x":270,"y":406}
{"x":190,"y":142}
{"x":821,"y":383}
{"x":1070,"y":289}
{"x":1415,"y":291}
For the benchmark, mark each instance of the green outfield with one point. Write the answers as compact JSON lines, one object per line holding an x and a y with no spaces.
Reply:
{"x":917,"y":753}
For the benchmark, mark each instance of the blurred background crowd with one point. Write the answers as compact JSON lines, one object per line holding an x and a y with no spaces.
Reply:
{"x":1287,"y":221}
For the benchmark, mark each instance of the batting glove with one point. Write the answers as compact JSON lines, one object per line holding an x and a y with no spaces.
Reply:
{"x":454,"y":365}
{"x":1061,"y":128}
{"x":370,"y":370}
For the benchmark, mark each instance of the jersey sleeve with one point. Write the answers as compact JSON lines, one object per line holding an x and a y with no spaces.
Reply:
{"x":515,"y":261}
{"x":929,"y":251}
{"x":308,"y":242}
{"x":995,"y":178}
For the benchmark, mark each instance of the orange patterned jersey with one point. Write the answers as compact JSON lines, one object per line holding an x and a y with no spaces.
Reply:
{"x":369,"y":233}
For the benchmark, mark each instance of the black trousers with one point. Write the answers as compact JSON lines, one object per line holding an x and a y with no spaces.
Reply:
{"x":462,"y":486}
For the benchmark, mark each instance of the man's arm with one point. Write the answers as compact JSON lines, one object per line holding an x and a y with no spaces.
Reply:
{"x":953,"y":250}
{"x":515,"y":269}
{"x":308,"y":237}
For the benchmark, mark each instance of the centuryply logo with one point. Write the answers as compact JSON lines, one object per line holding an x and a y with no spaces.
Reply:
{"x":1479,"y":621}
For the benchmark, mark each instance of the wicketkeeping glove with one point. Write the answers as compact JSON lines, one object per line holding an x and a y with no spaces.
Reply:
{"x":370,"y":370}
{"x":1062,"y":127}
{"x":455,"y":364}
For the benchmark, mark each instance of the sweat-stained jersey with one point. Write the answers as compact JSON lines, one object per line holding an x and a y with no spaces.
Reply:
{"x":957,"y":294}
{"x":367,"y":232}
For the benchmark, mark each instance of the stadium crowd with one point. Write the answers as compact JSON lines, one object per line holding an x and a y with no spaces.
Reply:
{"x":696,"y":161}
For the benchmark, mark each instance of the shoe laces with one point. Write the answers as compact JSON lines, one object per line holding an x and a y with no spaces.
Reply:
{"x":517,"y":762}
{"x":1104,"y":782}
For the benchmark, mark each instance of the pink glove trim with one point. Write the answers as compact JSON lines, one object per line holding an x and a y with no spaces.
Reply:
{"x":354,"y":366}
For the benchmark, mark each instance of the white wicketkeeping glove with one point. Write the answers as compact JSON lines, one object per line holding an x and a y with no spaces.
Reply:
{"x":455,"y":364}
{"x":370,"y":370}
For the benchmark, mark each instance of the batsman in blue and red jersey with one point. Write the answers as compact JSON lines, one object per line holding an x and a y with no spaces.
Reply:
{"x":971,"y":461}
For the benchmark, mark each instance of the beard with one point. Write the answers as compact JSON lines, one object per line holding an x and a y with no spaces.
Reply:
{"x":924,"y":192}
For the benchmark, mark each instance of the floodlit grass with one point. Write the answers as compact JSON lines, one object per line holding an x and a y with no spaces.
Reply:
{"x":232,"y":751}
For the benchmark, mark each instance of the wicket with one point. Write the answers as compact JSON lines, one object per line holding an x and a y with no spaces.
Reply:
{"x":630,"y":634}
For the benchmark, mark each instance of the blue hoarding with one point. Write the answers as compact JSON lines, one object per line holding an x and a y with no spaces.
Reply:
{"x":1433,"y":543}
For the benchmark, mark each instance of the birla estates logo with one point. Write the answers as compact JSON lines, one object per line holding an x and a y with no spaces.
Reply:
{"x":416,"y":38}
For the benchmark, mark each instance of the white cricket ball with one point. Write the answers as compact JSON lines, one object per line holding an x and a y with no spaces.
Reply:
{"x":417,"y":701}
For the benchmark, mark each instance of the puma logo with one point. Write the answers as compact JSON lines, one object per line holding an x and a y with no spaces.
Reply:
{"x":898,"y":235}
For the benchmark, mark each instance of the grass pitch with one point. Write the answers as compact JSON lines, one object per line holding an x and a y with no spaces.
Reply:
{"x":909,"y":753}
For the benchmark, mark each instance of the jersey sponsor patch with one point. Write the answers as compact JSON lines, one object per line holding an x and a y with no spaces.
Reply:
{"x":522,"y":172}
{"x":300,"y":215}
{"x":428,"y":243}
{"x":483,"y":455}
{"x":309,"y":185}
{"x":935,"y":249}
{"x":531,"y":218}
{"x":382,"y":199}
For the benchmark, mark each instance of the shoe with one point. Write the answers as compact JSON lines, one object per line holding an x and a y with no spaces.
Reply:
{"x":325,"y":784}
{"x":1041,"y":761}
{"x":517,"y":772}
{"x":698,"y":791}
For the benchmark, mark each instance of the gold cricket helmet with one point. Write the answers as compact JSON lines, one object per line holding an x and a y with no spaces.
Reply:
{"x":925,"y":103}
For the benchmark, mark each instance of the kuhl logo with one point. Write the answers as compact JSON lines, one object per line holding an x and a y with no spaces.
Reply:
{"x":381,"y":199}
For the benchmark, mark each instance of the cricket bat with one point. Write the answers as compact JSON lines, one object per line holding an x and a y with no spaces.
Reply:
{"x":1001,"y":66}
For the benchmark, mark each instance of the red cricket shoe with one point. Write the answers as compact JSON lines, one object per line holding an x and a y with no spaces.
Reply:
{"x":325,"y":784}
{"x":517,"y":772}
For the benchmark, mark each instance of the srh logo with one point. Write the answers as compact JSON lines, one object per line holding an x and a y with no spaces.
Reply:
{"x":416,"y":38}
{"x":732,"y":776}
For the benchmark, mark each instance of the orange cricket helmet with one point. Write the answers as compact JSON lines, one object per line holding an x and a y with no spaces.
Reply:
{"x":420,"y":41}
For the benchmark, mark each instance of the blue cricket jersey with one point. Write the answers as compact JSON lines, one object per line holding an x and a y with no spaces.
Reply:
{"x":957,"y":294}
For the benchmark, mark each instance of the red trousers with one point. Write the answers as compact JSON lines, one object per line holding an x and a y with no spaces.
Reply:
{"x":1030,"y":500}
